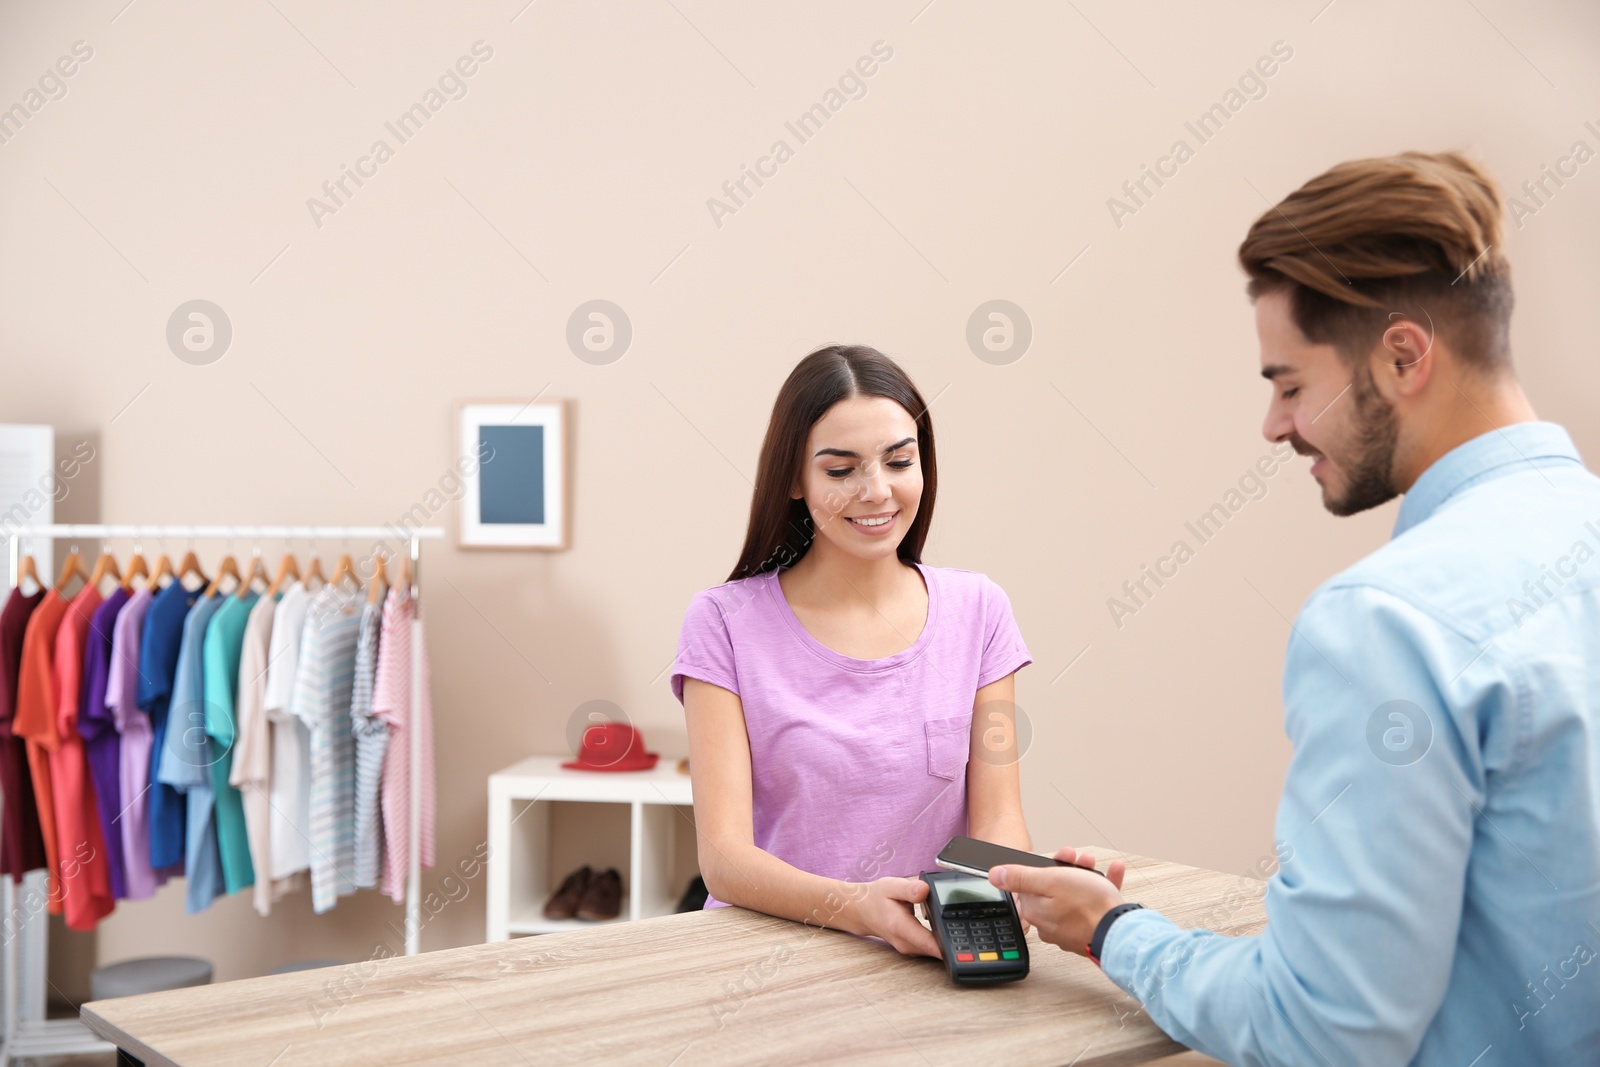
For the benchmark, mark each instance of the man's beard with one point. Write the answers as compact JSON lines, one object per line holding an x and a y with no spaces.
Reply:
{"x":1370,"y":469}
{"x":1369,"y":466}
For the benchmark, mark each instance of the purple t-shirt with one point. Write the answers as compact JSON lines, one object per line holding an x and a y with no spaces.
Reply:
{"x":98,"y":728}
{"x":857,"y":767}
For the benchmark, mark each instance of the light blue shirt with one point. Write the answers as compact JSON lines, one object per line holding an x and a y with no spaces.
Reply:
{"x":1438,"y":900}
{"x":186,"y":757}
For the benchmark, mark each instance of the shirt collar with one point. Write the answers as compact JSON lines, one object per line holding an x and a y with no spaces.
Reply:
{"x":1487,"y":456}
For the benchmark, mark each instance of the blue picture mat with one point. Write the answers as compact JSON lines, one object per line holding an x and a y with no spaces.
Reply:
{"x":511,"y":482}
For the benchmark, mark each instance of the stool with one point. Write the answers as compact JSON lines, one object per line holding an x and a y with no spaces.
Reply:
{"x":304,"y":965}
{"x":148,"y":974}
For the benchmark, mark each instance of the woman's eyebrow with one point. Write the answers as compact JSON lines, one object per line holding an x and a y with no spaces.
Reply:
{"x":856,"y":455}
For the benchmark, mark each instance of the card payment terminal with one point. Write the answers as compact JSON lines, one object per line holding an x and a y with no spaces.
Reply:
{"x":977,"y":927}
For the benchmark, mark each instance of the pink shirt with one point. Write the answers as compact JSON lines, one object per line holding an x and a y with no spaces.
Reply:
{"x":857,"y":767}
{"x":391,"y":702}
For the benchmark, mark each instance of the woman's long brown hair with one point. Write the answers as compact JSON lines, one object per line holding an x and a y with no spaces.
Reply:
{"x":781,"y":530}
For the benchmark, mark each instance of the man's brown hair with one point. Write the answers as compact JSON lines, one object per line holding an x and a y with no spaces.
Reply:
{"x":1417,"y":234}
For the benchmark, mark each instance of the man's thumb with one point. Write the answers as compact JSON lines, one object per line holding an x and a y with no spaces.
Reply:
{"x":1012,"y":877}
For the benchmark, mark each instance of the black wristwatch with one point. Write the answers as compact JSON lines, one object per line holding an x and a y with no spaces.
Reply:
{"x":1098,"y":942}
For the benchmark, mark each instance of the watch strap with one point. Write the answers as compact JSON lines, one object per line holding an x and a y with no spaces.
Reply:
{"x":1097,"y":943}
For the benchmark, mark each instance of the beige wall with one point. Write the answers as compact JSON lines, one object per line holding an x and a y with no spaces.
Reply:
{"x":578,"y":165}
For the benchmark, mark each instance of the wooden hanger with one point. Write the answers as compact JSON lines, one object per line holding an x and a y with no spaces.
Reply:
{"x":287,"y":569}
{"x":137,"y":568}
{"x":314,"y":570}
{"x":70,"y":567}
{"x":256,"y":571}
{"x":345,"y":568}
{"x":28,"y":569}
{"x":104,"y":566}
{"x":229,"y":567}
{"x":380,"y":578}
{"x":163,"y":570}
{"x":405,"y":573}
{"x":190,"y":564}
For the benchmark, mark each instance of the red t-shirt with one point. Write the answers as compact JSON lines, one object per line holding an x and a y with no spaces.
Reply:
{"x":84,"y":873}
{"x":35,"y":720}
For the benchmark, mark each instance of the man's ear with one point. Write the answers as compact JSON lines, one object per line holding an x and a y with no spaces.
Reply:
{"x":1405,"y":355}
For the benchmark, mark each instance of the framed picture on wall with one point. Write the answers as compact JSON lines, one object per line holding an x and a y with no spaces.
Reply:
{"x":516,"y":492}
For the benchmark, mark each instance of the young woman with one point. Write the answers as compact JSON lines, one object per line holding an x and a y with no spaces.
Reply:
{"x":849,"y":708}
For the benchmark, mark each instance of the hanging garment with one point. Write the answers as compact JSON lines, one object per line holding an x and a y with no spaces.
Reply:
{"x":158,"y":667}
{"x":102,"y":745}
{"x":35,"y":721}
{"x":21,"y":845}
{"x":252,"y":751}
{"x":291,"y":744}
{"x":133,"y":766}
{"x":321,"y":700}
{"x":224,"y":641}
{"x":372,"y":738}
{"x":186,"y":759}
{"x":85,"y":876}
{"x":391,"y":702}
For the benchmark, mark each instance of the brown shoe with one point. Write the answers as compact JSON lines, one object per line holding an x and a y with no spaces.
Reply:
{"x":563,"y":904}
{"x":603,"y":898}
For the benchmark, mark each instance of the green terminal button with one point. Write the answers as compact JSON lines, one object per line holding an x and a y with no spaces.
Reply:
{"x":1011,"y":954}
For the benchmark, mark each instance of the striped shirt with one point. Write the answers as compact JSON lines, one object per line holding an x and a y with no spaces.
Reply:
{"x":391,"y":701}
{"x":372,"y":738}
{"x":322,"y":689}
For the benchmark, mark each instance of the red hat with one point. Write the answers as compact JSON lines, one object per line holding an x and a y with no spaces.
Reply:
{"x":612,"y":746}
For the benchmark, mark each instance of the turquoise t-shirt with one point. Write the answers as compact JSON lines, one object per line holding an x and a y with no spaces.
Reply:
{"x":224,"y":642}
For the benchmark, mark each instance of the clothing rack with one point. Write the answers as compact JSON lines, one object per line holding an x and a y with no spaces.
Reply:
{"x":27,"y":1032}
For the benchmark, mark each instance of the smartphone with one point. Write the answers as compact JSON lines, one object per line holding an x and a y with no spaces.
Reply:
{"x":972,"y":856}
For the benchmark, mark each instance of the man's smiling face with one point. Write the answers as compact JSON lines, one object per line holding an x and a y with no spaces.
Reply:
{"x":1327,"y":408}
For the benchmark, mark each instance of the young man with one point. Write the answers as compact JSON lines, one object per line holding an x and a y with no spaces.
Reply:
{"x":1439,"y":902}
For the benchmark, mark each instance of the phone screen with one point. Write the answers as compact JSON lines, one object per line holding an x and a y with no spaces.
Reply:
{"x":967,"y":891}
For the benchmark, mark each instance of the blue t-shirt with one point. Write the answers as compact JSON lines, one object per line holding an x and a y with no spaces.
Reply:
{"x":158,"y":664}
{"x":186,"y":757}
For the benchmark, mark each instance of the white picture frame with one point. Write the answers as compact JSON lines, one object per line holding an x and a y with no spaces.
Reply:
{"x":525,"y":501}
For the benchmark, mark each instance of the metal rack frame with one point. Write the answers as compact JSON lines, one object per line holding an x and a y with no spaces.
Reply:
{"x":27,"y":1032}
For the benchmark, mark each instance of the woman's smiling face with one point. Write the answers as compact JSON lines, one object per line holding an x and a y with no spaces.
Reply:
{"x":861,"y":462}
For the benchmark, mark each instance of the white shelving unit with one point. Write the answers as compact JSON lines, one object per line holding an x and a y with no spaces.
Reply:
{"x":545,"y":821}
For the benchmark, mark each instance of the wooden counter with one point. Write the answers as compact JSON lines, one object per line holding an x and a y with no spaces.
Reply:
{"x":719,"y":987}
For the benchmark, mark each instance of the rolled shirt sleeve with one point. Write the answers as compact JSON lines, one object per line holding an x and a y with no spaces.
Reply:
{"x":705,"y":647}
{"x":1004,"y":651}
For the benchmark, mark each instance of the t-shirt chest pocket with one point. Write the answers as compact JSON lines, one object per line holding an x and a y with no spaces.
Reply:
{"x":949,"y":741}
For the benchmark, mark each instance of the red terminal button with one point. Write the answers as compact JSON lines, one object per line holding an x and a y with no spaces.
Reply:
{"x":963,"y":957}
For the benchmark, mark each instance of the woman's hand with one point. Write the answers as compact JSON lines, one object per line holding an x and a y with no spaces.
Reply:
{"x":1026,"y":925}
{"x":882,"y":908}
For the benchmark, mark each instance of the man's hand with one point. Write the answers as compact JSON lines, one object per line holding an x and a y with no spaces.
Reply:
{"x":1065,"y":905}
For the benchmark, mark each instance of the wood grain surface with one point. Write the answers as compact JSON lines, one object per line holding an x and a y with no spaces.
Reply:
{"x":720,"y":987}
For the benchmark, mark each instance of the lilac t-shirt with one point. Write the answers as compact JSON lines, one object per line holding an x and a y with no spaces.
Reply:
{"x":122,"y":686}
{"x":857,"y":767}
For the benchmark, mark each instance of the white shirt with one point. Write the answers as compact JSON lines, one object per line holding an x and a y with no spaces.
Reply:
{"x":290,"y":790}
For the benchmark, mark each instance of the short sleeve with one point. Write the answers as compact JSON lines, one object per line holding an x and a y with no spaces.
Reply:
{"x":1003,"y":648}
{"x":705,"y":647}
